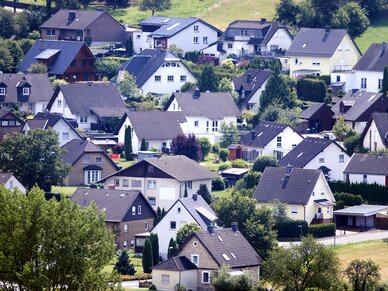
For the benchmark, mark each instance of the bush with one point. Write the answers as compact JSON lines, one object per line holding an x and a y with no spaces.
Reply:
{"x":223,"y":155}
{"x":140,"y":276}
{"x":239,"y":164}
{"x":311,"y":90}
{"x":218,"y":184}
{"x":262,"y":162}
{"x":224,"y":166}
{"x":290,"y":228}
{"x":322,"y":230}
{"x":216,"y":148}
{"x":252,"y":179}
{"x":339,"y":205}
{"x":348,"y":199}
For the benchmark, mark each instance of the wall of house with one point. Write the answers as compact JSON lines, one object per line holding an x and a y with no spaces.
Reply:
{"x":281,"y":38}
{"x":136,"y":143}
{"x":372,"y":139}
{"x":357,"y":126}
{"x":254,"y":101}
{"x":14,"y":183}
{"x":359,"y":178}
{"x":345,"y":56}
{"x":306,"y":63}
{"x":372,"y":80}
{"x":348,"y":77}
{"x":112,"y":32}
{"x":290,"y":139}
{"x":81,"y":72}
{"x":142,"y":41}
{"x":187,"y":278}
{"x":238,"y":47}
{"x":63,"y":108}
{"x":62,"y":127}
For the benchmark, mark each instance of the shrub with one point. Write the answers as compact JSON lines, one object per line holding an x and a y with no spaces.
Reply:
{"x":290,"y":228}
{"x":140,"y":276}
{"x":322,"y":230}
{"x":216,"y":148}
{"x":311,"y":90}
{"x":223,"y":155}
{"x":252,"y":179}
{"x":224,"y":166}
{"x":218,"y":184}
{"x":239,"y":164}
{"x":262,"y":162}
{"x":348,"y":199}
{"x":339,"y":205}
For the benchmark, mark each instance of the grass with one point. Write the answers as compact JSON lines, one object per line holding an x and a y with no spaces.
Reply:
{"x":222,"y":193}
{"x":63,"y":190}
{"x":375,"y":250}
{"x":124,"y":163}
{"x":209,"y":163}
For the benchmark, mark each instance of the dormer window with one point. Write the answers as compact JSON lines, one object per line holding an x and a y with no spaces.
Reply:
{"x":26,"y":91}
{"x":2,"y":91}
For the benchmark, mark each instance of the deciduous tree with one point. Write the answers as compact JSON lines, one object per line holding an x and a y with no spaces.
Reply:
{"x":185,"y":231}
{"x":207,"y":80}
{"x":262,"y":162}
{"x":38,"y":68}
{"x":206,"y":146}
{"x":187,"y":146}
{"x":229,"y":134}
{"x":363,"y":274}
{"x":155,"y":5}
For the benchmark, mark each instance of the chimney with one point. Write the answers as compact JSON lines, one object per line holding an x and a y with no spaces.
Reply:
{"x":71,"y":17}
{"x":196,"y":94}
{"x":263,"y":20}
{"x":234,"y":226}
{"x":288,"y":169}
{"x":249,"y":78}
{"x":210,"y":229}
{"x":327,"y":28}
{"x":195,"y":196}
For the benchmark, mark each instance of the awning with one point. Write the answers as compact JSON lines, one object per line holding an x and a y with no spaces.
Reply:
{"x":324,"y":202}
{"x":362,"y":210}
{"x":92,"y":167}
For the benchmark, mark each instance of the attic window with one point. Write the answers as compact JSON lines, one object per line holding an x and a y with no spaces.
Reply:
{"x":220,"y":238}
{"x":225,"y":256}
{"x":233,"y":255}
{"x":300,"y":155}
{"x":26,"y":91}
{"x":304,"y":45}
{"x":2,"y":91}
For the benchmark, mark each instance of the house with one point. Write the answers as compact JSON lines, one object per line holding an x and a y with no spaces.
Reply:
{"x":321,"y":51}
{"x":158,"y":128}
{"x":203,"y":112}
{"x":84,"y":26}
{"x":304,"y":191}
{"x":269,"y":139}
{"x":367,"y":168}
{"x":9,"y":181}
{"x":88,"y":163}
{"x":192,"y":209}
{"x":202,"y":254}
{"x":375,"y":134}
{"x":318,"y":117}
{"x":357,"y":108}
{"x":318,"y":153}
{"x":250,"y":37}
{"x":160,"y":32}
{"x":69,"y":60}
{"x":30,"y":93}
{"x":91,"y":105}
{"x":157,"y":71}
{"x":250,"y":86}
{"x":126,"y":212}
{"x":162,"y":180}
{"x":363,"y":216}
{"x":9,"y":123}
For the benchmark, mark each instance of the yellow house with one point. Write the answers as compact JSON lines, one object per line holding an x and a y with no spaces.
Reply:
{"x":322,"y":51}
{"x":305,"y":191}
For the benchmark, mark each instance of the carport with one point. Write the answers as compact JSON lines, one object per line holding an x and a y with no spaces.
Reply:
{"x":363,"y":216}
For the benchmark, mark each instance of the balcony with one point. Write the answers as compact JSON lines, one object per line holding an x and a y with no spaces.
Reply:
{"x":342,"y":68}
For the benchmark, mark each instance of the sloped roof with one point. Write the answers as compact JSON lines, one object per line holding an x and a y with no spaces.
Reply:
{"x":207,"y":105}
{"x":202,"y":213}
{"x":41,"y":89}
{"x":295,"y":188}
{"x":374,"y":59}
{"x":4,"y":130}
{"x":4,"y":177}
{"x":181,"y":263}
{"x":262,"y":134}
{"x":316,"y":110}
{"x":68,"y":50}
{"x":83,"y":18}
{"x":114,"y":203}
{"x":257,"y":79}
{"x":368,"y":164}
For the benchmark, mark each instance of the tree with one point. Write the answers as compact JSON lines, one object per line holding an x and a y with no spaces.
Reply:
{"x":229,"y":134}
{"x":147,"y":259}
{"x":123,"y":265}
{"x":299,"y":267}
{"x":155,"y":248}
{"x":206,"y":146}
{"x":384,"y":88}
{"x":340,"y":128}
{"x":7,"y":24}
{"x":226,"y":85}
{"x":224,"y":281}
{"x":128,"y":144}
{"x":172,"y":248}
{"x":262,"y":162}
{"x":128,"y":87}
{"x":207,"y":80}
{"x":204,"y":192}
{"x":353,"y":142}
{"x":5,"y":59}
{"x":108,"y":67}
{"x":143,"y":146}
{"x":352,"y":17}
{"x":175,"y":50}
{"x":129,"y":47}
{"x":279,"y":211}
{"x":34,"y":158}
{"x":286,"y":11}
{"x":363,"y":274}
{"x":188,"y":86}
{"x":38,"y":68}
{"x":46,"y":245}
{"x":155,"y":5}
{"x":185,"y":231}
{"x":188,"y":146}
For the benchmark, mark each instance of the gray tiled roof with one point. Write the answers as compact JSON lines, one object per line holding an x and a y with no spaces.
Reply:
{"x":258,"y":77}
{"x":194,"y":207}
{"x":314,"y":109}
{"x":207,"y":105}
{"x":374,"y":59}
{"x":83,"y":18}
{"x":224,"y":241}
{"x":264,"y":132}
{"x":4,"y":177}
{"x":113,"y":203}
{"x":181,"y":263}
{"x":368,"y":164}
{"x":293,"y":189}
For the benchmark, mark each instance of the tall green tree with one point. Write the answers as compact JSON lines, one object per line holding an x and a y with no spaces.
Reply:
{"x":204,"y":192}
{"x":364,"y":274}
{"x":340,"y":128}
{"x":129,"y":47}
{"x":128,"y":144}
{"x":352,"y":17}
{"x":207,"y":80}
{"x":155,"y":5}
{"x":206,"y":146}
{"x":229,"y":134}
{"x":154,"y":239}
{"x":262,"y":162}
{"x":147,"y":259}
{"x":185,"y":231}
{"x":143,"y":146}
{"x":34,"y":158}
{"x":172,"y":248}
{"x":128,"y":88}
{"x":384,"y":88}
{"x":5,"y":59}
{"x":124,"y":266}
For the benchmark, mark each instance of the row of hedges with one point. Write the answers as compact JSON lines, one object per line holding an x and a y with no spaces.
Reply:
{"x":291,"y":228}
{"x":322,"y":230}
{"x":371,"y":193}
{"x":347,"y":199}
{"x":311,"y":90}
{"x":140,"y":276}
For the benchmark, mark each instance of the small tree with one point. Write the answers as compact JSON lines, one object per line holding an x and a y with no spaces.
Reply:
{"x":206,"y":146}
{"x":172,"y":248}
{"x":223,"y":280}
{"x":384,"y":88}
{"x":38,"y":68}
{"x":155,"y":248}
{"x":185,"y":231}
{"x":363,"y":274}
{"x":143,"y":146}
{"x":188,"y":146}
{"x":340,"y":128}
{"x":128,"y":144}
{"x":129,"y":47}
{"x":128,"y":88}
{"x":155,"y":5}
{"x":123,"y":265}
{"x":207,"y":80}
{"x":147,"y":257}
{"x":204,"y":192}
{"x":229,"y":134}
{"x":175,"y":50}
{"x":262,"y":162}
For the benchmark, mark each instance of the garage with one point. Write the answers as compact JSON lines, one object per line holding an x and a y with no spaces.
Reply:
{"x":361,"y":216}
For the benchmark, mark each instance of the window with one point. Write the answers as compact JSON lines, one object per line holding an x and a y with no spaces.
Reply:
{"x":196,"y":28}
{"x":363,"y":83}
{"x":173,"y":225}
{"x":26,"y":91}
{"x":341,"y":158}
{"x":183,"y":78}
{"x":321,"y":160}
{"x":164,"y":144}
{"x":338,"y":78}
{"x":273,"y":48}
{"x":125,"y":244}
{"x":316,"y":62}
{"x":50,"y":32}
{"x":59,"y":103}
{"x":196,"y":39}
{"x":179,"y":210}
{"x":2,"y":91}
{"x":92,"y":176}
{"x":152,"y":200}
{"x":133,"y":210}
{"x":207,"y":126}
{"x":205,"y":278}
{"x":215,"y":126}
{"x":136,"y":183}
{"x":158,"y":78}
{"x":279,"y":141}
{"x":170,"y":78}
{"x":151,"y":184}
{"x":138,"y":36}
{"x":65,"y":136}
{"x":195,"y":259}
{"x":126,"y":227}
{"x":204,"y":39}
{"x":117,"y":182}
{"x":230,"y":45}
{"x":296,"y":61}
{"x":380,"y":85}
{"x":365,"y":179}
{"x":196,"y":123}
{"x":99,"y":160}
{"x":165,"y":279}
{"x":146,"y":225}
{"x":86,"y":160}
{"x":125,"y":183}
{"x":139,"y":209}
{"x":294,"y":210}
{"x":11,"y":184}
{"x":83,"y":119}
{"x":189,"y":184}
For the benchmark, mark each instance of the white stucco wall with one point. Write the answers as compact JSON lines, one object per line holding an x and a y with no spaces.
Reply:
{"x":290,"y":139}
{"x":281,"y":38}
{"x":372,"y":139}
{"x":372,"y":80}
{"x":14,"y":183}
{"x":62,"y":127}
{"x":61,"y":108}
{"x":370,"y":179}
{"x":141,"y":41}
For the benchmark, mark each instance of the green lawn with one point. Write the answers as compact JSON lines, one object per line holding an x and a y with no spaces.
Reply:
{"x":124,"y":163}
{"x":222,"y":193}
{"x":376,"y":32}
{"x":63,"y":190}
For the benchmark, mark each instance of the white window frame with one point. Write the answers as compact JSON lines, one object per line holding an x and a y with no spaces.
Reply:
{"x":170,"y":78}
{"x":146,"y":226}
{"x":133,"y":210}
{"x":196,"y":39}
{"x":363,"y":83}
{"x":83,"y":119}
{"x":2,"y":91}
{"x":158,"y":78}
{"x":92,"y":176}
{"x":279,"y":141}
{"x":125,"y":229}
{"x":125,"y":182}
{"x":165,"y":279}
{"x":189,"y":185}
{"x":151,"y":184}
{"x":196,"y":123}
{"x":136,"y":181}
{"x":98,"y":160}
{"x":321,"y":160}
{"x":65,"y":135}
{"x":230,"y":45}
{"x":183,"y":78}
{"x":379,"y":85}
{"x":86,"y":160}
{"x":59,"y":103}
{"x":215,"y":125}
{"x":341,"y":158}
{"x":26,"y":91}
{"x":196,"y":28}
{"x":208,"y":277}
{"x":125,"y":244}
{"x":50,"y":32}
{"x":195,"y":262}
{"x":152,"y":200}
{"x":205,"y":39}
{"x":139,"y":209}
{"x":172,"y":221}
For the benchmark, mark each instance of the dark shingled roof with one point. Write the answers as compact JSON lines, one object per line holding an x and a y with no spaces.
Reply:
{"x":316,"y":42}
{"x":114,"y":203}
{"x":231,"y":243}
{"x":374,"y":59}
{"x":4,"y":130}
{"x":381,"y":121}
{"x":40,"y":91}
{"x":207,"y":105}
{"x":4,"y":177}
{"x":102,"y":98}
{"x":258,"y":77}
{"x":295,"y":188}
{"x":305,"y":151}
{"x":264,"y":132}
{"x":68,"y":50}
{"x":368,"y":164}
{"x":83,"y":18}
{"x":181,"y":263}
{"x":315,"y":111}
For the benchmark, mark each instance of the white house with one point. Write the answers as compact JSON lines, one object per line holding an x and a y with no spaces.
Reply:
{"x":157,"y":71}
{"x":158,"y":128}
{"x":375,"y":134}
{"x":185,"y":210}
{"x":160,"y":32}
{"x":91,"y":105}
{"x":162,"y":180}
{"x":269,"y":139}
{"x":9,"y":181}
{"x":305,"y":191}
{"x":204,"y":112}
{"x":318,"y":153}
{"x":367,"y":168}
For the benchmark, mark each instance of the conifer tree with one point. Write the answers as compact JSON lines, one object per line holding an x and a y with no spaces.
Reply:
{"x":128,"y":144}
{"x":147,"y":257}
{"x":172,"y":248}
{"x":123,"y":265}
{"x":155,"y":247}
{"x":143,"y":146}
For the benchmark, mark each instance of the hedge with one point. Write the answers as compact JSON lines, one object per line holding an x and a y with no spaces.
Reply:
{"x":218,"y":184}
{"x":140,"y":276}
{"x":371,"y":193}
{"x":311,"y":90}
{"x":348,"y":198}
{"x":322,"y":230}
{"x":289,"y":228}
